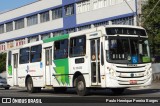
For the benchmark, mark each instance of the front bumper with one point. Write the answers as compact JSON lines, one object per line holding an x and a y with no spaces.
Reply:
{"x":120,"y":83}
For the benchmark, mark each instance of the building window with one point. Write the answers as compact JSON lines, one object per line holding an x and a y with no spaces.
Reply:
{"x":78,"y":46}
{"x":2,"y":28}
{"x":101,"y":24}
{"x":20,"y":42}
{"x":70,"y":30}
{"x":95,"y":4}
{"x":24,"y":55}
{"x":124,"y":21}
{"x":44,"y":17}
{"x":10,"y":44}
{"x":83,"y":6}
{"x":57,"y":13}
{"x":61,"y":49}
{"x":104,"y":3}
{"x":45,"y":36}
{"x":2,"y":47}
{"x":36,"y":52}
{"x":79,"y":8}
{"x":100,"y":3}
{"x":57,"y":33}
{"x":19,"y":24}
{"x":32,"y":20}
{"x":69,"y":10}
{"x":9,"y":27}
{"x":33,"y":39}
{"x":84,"y":27}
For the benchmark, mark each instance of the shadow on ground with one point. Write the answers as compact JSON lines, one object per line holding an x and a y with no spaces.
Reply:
{"x":105,"y":92}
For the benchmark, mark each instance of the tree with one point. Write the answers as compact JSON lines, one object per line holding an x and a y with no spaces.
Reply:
{"x":2,"y":62}
{"x":152,"y":24}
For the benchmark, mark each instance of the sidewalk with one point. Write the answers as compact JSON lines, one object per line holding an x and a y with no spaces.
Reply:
{"x":156,"y":77}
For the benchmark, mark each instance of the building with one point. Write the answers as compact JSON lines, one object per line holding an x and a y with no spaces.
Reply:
{"x":47,"y":18}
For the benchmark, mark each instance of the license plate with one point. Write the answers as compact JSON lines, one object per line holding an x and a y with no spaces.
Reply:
{"x":133,"y":82}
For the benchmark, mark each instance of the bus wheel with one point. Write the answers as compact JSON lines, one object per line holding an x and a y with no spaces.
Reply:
{"x":30,"y":87}
{"x":60,"y":89}
{"x":81,"y":86}
{"x":118,"y":90}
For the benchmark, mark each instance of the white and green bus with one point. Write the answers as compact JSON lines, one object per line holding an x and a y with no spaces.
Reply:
{"x":115,"y":57}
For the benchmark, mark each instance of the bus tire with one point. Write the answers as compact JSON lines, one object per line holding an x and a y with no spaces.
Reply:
{"x":30,"y":87}
{"x":81,"y":86}
{"x":118,"y":90}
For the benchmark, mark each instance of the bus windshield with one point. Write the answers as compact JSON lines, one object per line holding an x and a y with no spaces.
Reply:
{"x":128,"y":50}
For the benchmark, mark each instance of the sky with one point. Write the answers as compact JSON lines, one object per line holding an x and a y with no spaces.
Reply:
{"x":6,"y":5}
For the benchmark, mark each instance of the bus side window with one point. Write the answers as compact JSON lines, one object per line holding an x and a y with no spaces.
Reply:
{"x":61,"y":49}
{"x":78,"y":46}
{"x":36,"y":52}
{"x":24,"y":55}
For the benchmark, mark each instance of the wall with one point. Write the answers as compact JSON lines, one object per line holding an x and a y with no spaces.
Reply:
{"x":28,"y":9}
{"x":41,"y":27}
{"x":106,"y":12}
{"x":156,"y":71}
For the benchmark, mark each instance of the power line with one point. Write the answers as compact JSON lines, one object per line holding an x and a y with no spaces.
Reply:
{"x":132,"y":10}
{"x":129,"y":5}
{"x":151,"y":11}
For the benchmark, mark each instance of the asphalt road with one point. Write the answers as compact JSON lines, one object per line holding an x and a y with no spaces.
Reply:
{"x":152,"y":92}
{"x":148,"y":91}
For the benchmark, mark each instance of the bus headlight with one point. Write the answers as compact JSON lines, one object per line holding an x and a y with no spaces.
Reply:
{"x":149,"y":71}
{"x":112,"y":72}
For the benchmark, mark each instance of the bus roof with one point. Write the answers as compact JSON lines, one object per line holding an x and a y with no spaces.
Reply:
{"x":65,"y":36}
{"x":124,"y":26}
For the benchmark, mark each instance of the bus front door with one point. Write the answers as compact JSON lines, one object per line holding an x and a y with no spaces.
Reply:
{"x":15,"y":69}
{"x":48,"y":65}
{"x":95,"y":61}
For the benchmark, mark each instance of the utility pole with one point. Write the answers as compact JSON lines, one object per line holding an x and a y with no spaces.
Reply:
{"x":139,"y":13}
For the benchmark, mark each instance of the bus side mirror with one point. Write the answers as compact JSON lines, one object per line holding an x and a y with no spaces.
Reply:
{"x":106,"y":45}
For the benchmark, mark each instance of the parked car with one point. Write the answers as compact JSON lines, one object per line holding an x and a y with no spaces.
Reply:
{"x":3,"y":83}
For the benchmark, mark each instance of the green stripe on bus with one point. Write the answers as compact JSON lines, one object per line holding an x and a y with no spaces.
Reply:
{"x":61,"y":37}
{"x":62,"y":69}
{"x":10,"y":70}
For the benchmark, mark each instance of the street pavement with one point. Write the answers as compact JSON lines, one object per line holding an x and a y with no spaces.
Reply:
{"x":148,"y":91}
{"x":95,"y":96}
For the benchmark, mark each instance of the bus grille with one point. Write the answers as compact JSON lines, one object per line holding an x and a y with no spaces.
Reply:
{"x":131,"y":75}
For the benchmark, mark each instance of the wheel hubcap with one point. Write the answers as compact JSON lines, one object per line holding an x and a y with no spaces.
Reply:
{"x":29,"y":85}
{"x":80,"y":86}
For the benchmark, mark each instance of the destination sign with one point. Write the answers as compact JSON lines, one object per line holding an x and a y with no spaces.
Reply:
{"x":125,"y":31}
